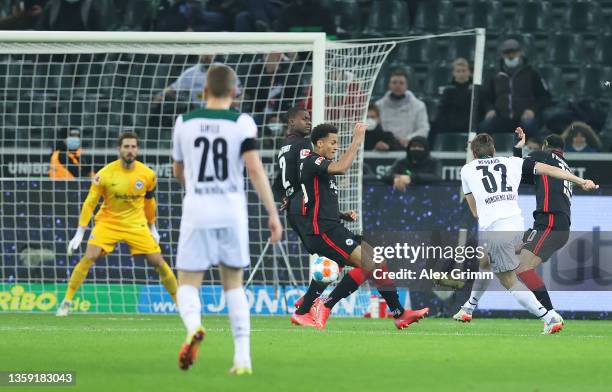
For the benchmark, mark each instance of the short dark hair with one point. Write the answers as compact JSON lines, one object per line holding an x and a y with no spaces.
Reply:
{"x":373,"y":107}
{"x":294,"y":111}
{"x":127,"y":135}
{"x":554,"y":141}
{"x":220,"y":80}
{"x":321,"y":131}
{"x":399,"y":72}
{"x":483,"y":145}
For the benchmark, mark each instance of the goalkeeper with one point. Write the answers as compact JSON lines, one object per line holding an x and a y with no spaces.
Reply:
{"x":127,"y":187}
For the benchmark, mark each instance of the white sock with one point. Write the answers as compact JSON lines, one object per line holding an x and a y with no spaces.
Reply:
{"x":529,"y":301}
{"x":238,"y":309}
{"x":190,"y":307}
{"x":479,"y":287}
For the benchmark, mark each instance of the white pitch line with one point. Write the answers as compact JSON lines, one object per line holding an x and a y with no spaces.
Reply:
{"x":290,"y":330}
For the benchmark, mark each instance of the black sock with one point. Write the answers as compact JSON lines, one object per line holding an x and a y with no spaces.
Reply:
{"x":345,"y":288}
{"x":393,"y":302}
{"x":542,"y":295}
{"x":314,"y":291}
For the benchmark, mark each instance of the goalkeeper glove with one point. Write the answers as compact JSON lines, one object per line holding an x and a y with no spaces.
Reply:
{"x":75,"y":242}
{"x":154,"y":232}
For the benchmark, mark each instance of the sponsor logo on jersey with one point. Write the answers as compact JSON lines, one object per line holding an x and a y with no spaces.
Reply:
{"x":138,"y":184}
{"x":349,"y":242}
{"x":304,"y":153}
{"x":319,"y":160}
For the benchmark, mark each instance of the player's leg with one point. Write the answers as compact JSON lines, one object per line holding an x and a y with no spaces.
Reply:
{"x":196,"y":252}
{"x":141,"y":242}
{"x":165,"y":273}
{"x":190,"y":310}
{"x":101,"y":241}
{"x":238,"y":310}
{"x":234,"y":255}
{"x":479,"y":287}
{"x":504,"y":263}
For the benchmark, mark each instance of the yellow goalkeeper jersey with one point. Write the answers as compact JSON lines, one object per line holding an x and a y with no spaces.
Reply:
{"x":124,"y":192}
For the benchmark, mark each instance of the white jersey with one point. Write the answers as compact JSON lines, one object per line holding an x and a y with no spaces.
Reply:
{"x":210,"y":143}
{"x":494,"y":183}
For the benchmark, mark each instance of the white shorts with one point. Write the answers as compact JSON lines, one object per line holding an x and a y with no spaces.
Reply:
{"x":500,"y":240}
{"x":201,"y":248}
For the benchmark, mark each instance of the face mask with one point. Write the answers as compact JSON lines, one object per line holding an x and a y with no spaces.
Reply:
{"x":511,"y":63}
{"x":418,"y":155}
{"x":73,"y":143}
{"x":275,"y":128}
{"x":372,"y":124}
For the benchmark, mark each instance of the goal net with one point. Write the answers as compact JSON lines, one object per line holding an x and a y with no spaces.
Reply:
{"x":95,"y":85}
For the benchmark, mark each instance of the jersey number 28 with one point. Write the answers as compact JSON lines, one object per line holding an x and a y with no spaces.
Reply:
{"x":219,"y":150}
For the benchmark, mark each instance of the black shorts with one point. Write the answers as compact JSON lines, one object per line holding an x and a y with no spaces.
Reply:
{"x":550,"y":233}
{"x":299,"y":224}
{"x":336,"y":243}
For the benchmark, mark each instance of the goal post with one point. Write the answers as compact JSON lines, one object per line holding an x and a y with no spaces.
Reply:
{"x":104,"y":83}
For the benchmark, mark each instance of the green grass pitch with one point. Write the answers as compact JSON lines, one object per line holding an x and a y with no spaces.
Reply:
{"x":139,"y":353}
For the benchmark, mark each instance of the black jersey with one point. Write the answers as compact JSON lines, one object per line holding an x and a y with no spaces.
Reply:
{"x":320,"y":199}
{"x":552,"y":195}
{"x":287,"y":182}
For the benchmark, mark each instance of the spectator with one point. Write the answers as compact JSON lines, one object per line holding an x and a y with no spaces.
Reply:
{"x":516,"y":95}
{"x":580,"y":137}
{"x":376,"y":137}
{"x":24,"y":15}
{"x":456,"y":102}
{"x":270,"y":86}
{"x":191,"y":81}
{"x":417,"y":168}
{"x":401,"y":112}
{"x":75,"y":15}
{"x":66,"y":161}
{"x":306,"y":16}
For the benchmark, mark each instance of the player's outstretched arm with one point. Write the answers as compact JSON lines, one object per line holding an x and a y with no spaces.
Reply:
{"x":342,"y":165}
{"x":547,"y":170}
{"x":86,"y":213}
{"x":262,"y":187}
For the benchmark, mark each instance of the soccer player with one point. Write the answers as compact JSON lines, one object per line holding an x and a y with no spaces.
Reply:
{"x":325,"y":235}
{"x":490,"y":185}
{"x":551,"y":225}
{"x":128,"y":189}
{"x":211,"y":147}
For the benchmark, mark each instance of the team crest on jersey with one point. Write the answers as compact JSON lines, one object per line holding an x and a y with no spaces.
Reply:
{"x":96,"y":180}
{"x":304,"y":153}
{"x":319,"y":160}
{"x":349,"y":242}
{"x":138,"y":184}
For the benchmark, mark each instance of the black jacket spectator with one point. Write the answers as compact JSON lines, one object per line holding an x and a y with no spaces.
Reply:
{"x":454,"y":109}
{"x":378,"y":134}
{"x":511,"y":92}
{"x":419,"y":165}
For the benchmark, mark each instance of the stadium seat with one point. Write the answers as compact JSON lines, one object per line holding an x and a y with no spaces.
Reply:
{"x":553,"y":76}
{"x":603,"y":49}
{"x":437,"y":77}
{"x":461,"y":46}
{"x":487,"y":14}
{"x":533,"y":16}
{"x":591,"y":81}
{"x":451,"y":142}
{"x":583,"y":16}
{"x":504,"y":141}
{"x":565,"y":48}
{"x":415,"y":52}
{"x":387,"y":17}
{"x":434,"y":15}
